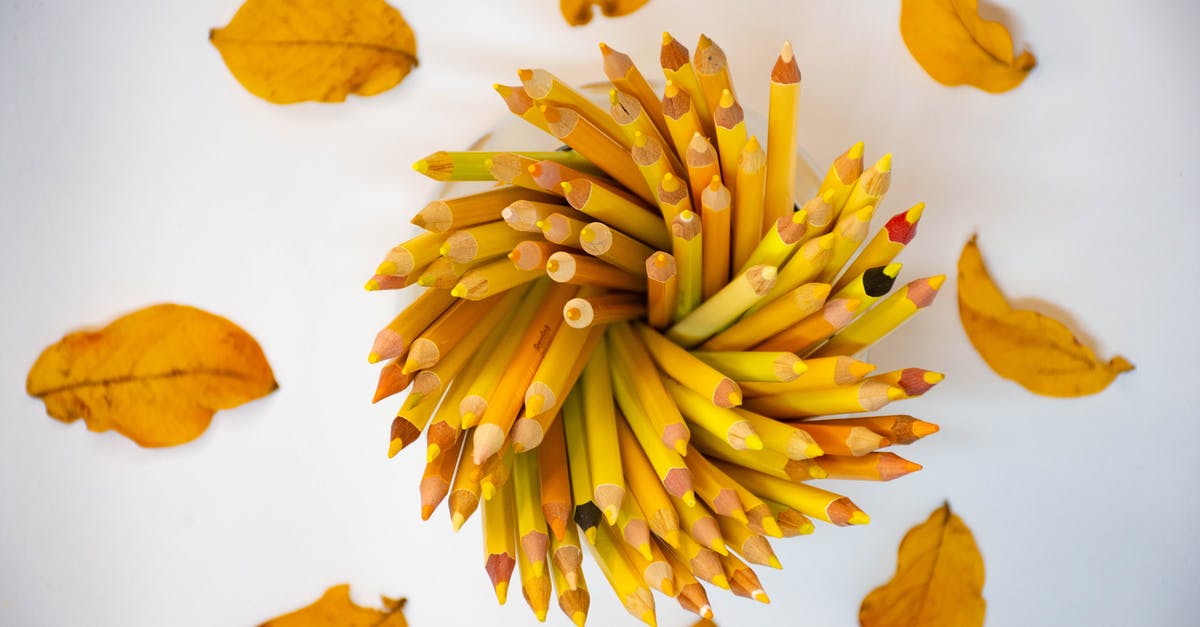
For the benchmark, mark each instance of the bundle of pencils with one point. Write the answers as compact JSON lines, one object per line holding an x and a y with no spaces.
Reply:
{"x":641,"y":336}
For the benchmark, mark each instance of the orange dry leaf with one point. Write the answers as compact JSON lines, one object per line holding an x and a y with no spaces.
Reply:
{"x":156,"y":376}
{"x":938,"y":581}
{"x":955,"y":46}
{"x":1034,"y":350}
{"x":579,"y":12}
{"x":289,"y":51}
{"x":335,"y":608}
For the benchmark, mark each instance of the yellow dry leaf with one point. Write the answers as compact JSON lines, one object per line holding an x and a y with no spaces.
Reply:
{"x":938,"y":581}
{"x":579,"y":12}
{"x":1032,"y":349}
{"x":156,"y":376}
{"x":289,"y":51}
{"x":955,"y":46}
{"x":335,"y":609}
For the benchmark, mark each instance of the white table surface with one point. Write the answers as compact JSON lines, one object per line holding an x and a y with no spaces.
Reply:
{"x":135,"y":170}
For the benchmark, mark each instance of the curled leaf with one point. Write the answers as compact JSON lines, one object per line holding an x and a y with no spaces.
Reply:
{"x":579,"y":12}
{"x":336,"y":608}
{"x":955,"y":46}
{"x":289,"y":51}
{"x":156,"y":376}
{"x":938,"y":581}
{"x":1032,"y":349}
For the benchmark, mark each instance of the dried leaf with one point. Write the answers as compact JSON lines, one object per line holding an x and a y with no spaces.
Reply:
{"x":335,"y":608}
{"x":579,"y":12}
{"x":938,"y":581}
{"x":156,"y":376}
{"x":289,"y":51}
{"x":955,"y":46}
{"x":1032,"y":349}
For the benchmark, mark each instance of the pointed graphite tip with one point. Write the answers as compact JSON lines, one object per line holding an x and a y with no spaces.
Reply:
{"x":892,"y":269}
{"x":773,"y":562}
{"x":933,"y":378}
{"x":524,"y":74}
{"x":457,"y":520}
{"x":579,"y":618}
{"x":604,"y":48}
{"x":501,"y":592}
{"x":667,"y":38}
{"x":668,"y":587}
{"x":922,"y":428}
{"x":371,"y":285}
{"x":856,"y":151}
{"x":799,"y":368}
{"x":827,"y":196}
{"x":771,"y":526}
{"x":726,"y":99}
{"x":912,"y":215}
{"x":432,"y":452}
{"x":681,"y":447}
{"x":426,"y":512}
{"x":394,"y":447}
{"x":672,"y":538}
{"x":649,"y":618}
{"x":458,"y":291}
{"x":644,"y":550}
{"x":754,"y":442}
{"x":373,"y":358}
{"x":721,"y":581}
{"x":885,"y":163}
{"x":786,"y":52}
{"x":706,"y":612}
{"x":752,"y":144}
{"x":540,"y":614}
{"x":698,"y":142}
{"x":859,"y":518}
{"x":936,"y":282}
{"x":761,"y":596}
{"x":421,"y":166}
{"x":610,"y":515}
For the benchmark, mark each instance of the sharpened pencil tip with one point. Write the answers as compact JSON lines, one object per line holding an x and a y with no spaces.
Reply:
{"x":799,"y":368}
{"x":394,"y":447}
{"x":772,"y":527}
{"x":718,"y":545}
{"x":426,"y":512}
{"x":773,"y":562}
{"x":579,"y":618}
{"x":721,"y":581}
{"x":761,"y":596}
{"x":421,"y":166}
{"x":644,"y":550}
{"x":458,"y":291}
{"x":371,"y":285}
{"x":487,"y":490}
{"x":610,"y":515}
{"x":859,"y":518}
{"x":432,"y":452}
{"x":754,"y":442}
{"x":540,"y":614}
{"x":885,"y":163}
{"x":786,"y":53}
{"x":373,"y":358}
{"x":501,"y":592}
{"x":444,"y":250}
{"x":668,"y":588}
{"x":387,"y":267}
{"x":936,"y":282}
{"x":726,"y":100}
{"x":922,"y":429}
{"x":525,"y":74}
{"x":856,"y":151}
{"x":535,"y":404}
{"x":649,"y":618}
{"x":590,"y":534}
{"x":933,"y":378}
{"x":681,"y":447}
{"x":672,"y":538}
{"x":457,"y":520}
{"x":706,"y":612}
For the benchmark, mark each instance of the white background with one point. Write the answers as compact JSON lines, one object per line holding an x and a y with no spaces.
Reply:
{"x":135,"y":170}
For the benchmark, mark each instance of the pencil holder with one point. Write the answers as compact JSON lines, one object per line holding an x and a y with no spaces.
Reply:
{"x":631,"y":334}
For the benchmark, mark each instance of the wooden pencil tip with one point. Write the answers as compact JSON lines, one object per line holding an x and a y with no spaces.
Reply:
{"x":457,"y":520}
{"x":706,"y":612}
{"x":458,"y":291}
{"x":524,"y":74}
{"x":754,"y":442}
{"x":387,"y":267}
{"x":604,"y":48}
{"x":644,"y":550}
{"x":774,"y":562}
{"x":432,"y":452}
{"x":667,"y":38}
{"x":501,"y":592}
{"x":610,"y":515}
{"x":892,"y":269}
{"x":649,"y":618}
{"x":371,"y":285}
{"x":726,"y":100}
{"x":933,"y":378}
{"x":856,"y":151}
{"x":394,"y":447}
{"x":914,"y":214}
{"x":721,"y":581}
{"x":859,"y":517}
{"x":761,"y":596}
{"x":936,"y":282}
{"x":771,"y":526}
{"x":421,"y":166}
{"x":487,"y":490}
{"x":373,"y":358}
{"x":885,"y":163}
{"x":799,"y":368}
{"x":689,"y":498}
{"x":579,"y":618}
{"x":426,"y":512}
